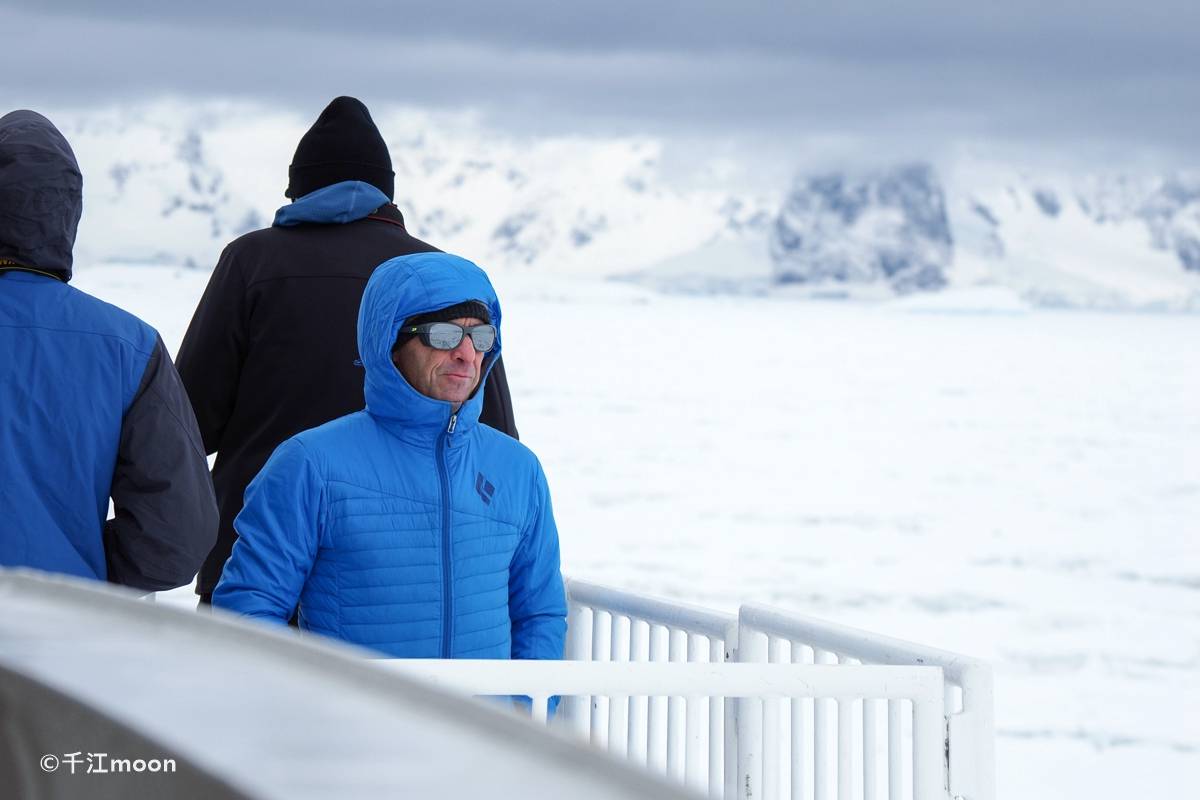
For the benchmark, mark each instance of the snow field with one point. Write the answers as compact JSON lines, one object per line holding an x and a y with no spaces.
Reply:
{"x":1021,"y":486}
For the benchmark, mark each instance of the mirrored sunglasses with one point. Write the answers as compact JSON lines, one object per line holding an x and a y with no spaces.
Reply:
{"x":448,"y":335}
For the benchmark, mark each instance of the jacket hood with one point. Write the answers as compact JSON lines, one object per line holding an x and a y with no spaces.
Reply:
{"x":41,"y":194}
{"x":337,"y":204}
{"x":400,"y":288}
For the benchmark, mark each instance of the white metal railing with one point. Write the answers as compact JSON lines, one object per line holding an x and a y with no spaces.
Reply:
{"x":609,"y":625}
{"x":969,"y":760}
{"x":764,"y":704}
{"x":755,"y":683}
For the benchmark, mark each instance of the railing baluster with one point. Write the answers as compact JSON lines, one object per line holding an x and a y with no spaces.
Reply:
{"x":772,"y":732}
{"x":928,"y":775}
{"x":845,"y":748}
{"x":822,"y":774}
{"x":577,"y":711}
{"x":601,"y":651}
{"x":656,"y":757}
{"x":800,"y":742}
{"x":716,"y":728}
{"x":895,"y":729}
{"x":618,"y":704}
{"x":676,"y":733}
{"x":846,"y":740}
{"x":752,"y":648}
{"x":579,"y":633}
{"x":639,"y":635}
{"x":539,"y":708}
{"x":732,"y":709}
{"x":870,"y":749}
{"x":695,"y":710}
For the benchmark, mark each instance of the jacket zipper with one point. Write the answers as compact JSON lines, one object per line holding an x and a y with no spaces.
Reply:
{"x":447,"y":583}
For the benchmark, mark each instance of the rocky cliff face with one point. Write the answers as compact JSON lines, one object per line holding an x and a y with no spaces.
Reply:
{"x":1109,"y":240}
{"x":885,"y":227}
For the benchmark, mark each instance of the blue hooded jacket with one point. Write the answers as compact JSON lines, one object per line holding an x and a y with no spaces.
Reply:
{"x":90,"y":405}
{"x":406,"y":527}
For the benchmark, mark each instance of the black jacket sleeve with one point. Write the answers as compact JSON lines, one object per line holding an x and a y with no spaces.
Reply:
{"x":213,"y":350}
{"x":166,"y":515}
{"x":497,"y":409}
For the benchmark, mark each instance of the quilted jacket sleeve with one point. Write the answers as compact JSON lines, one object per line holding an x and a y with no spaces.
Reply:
{"x":278,"y":535}
{"x":537,"y":603}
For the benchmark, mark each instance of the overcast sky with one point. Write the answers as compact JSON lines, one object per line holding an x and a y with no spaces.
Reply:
{"x":1059,"y":77}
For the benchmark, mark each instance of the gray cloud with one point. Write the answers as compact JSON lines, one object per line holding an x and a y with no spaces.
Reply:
{"x":930,"y":26}
{"x":923,"y":73}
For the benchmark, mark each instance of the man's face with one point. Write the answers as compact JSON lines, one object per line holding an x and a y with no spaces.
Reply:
{"x":441,"y":374}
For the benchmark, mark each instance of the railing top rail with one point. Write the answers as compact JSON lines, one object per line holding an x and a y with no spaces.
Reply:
{"x":672,"y":613}
{"x":858,"y":643}
{"x":680,"y":679}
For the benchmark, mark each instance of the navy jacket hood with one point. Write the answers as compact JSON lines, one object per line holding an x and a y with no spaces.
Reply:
{"x":41,"y":194}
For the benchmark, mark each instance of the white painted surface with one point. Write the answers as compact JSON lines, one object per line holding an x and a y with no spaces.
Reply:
{"x":274,"y":713}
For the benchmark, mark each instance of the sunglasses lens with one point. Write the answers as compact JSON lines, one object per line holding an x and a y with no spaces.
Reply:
{"x":483,"y":337}
{"x":444,"y":336}
{"x":447,"y":336}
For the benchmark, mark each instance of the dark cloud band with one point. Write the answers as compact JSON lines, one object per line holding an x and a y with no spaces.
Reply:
{"x":932,"y":69}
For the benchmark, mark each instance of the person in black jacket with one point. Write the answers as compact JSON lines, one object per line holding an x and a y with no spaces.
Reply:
{"x":271,"y":350}
{"x":90,"y":405}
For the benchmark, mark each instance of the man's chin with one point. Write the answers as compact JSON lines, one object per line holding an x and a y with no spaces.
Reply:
{"x":456,"y":393}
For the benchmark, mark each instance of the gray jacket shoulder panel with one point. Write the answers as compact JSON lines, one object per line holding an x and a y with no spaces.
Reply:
{"x":166,"y":513}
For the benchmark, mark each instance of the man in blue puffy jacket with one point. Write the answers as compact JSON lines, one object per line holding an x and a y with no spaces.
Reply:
{"x":90,"y":404}
{"x":408,"y":527}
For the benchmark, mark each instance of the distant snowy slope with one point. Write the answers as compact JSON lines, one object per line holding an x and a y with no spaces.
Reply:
{"x":1104,"y":241}
{"x":173,"y":183}
{"x":1112,"y":241}
{"x":572,"y":205}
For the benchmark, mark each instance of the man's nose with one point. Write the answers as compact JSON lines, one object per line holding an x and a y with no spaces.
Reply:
{"x":465,"y":350}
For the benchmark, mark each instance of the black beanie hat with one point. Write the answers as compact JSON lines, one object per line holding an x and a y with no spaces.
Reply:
{"x":342,"y":145}
{"x":469,"y":308}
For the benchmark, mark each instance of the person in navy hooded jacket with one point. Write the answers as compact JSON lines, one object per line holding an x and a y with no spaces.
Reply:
{"x":270,"y":351}
{"x":90,"y":405}
{"x":408,"y":527}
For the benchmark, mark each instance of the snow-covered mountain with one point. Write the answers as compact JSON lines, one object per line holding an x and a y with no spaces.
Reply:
{"x":1112,"y":241}
{"x":172,"y":183}
{"x":890,"y":227}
